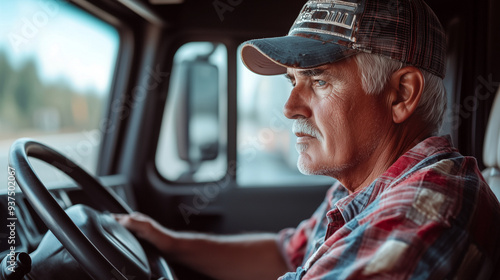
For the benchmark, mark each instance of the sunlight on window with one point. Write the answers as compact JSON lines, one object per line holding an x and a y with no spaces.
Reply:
{"x":56,"y":67}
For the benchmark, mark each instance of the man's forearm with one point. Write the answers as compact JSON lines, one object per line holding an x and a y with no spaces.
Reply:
{"x":249,"y":256}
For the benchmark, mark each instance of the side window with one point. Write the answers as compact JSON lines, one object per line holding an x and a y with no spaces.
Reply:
{"x":56,"y":69}
{"x":266,"y":145}
{"x":192,"y":144}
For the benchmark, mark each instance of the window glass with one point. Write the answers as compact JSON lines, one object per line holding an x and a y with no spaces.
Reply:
{"x":192,"y":144}
{"x":56,"y":68}
{"x":266,"y":145}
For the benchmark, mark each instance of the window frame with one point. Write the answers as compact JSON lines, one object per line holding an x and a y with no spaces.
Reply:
{"x":110,"y":138}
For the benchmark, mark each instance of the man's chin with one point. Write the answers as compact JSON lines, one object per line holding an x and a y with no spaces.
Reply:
{"x":304,"y":170}
{"x":306,"y":167}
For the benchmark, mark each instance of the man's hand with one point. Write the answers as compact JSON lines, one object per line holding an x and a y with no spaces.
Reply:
{"x":147,"y":228}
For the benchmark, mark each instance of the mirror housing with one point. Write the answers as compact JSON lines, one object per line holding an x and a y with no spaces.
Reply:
{"x":197,"y":122}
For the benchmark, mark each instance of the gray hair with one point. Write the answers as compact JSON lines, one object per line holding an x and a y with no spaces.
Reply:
{"x":375,"y":71}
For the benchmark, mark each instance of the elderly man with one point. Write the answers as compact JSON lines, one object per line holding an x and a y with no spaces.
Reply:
{"x":367,"y":101}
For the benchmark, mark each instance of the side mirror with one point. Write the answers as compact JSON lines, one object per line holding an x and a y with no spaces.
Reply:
{"x":198,"y":112}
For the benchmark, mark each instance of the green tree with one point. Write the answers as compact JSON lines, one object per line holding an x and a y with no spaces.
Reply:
{"x":24,"y":97}
{"x":5,"y":74}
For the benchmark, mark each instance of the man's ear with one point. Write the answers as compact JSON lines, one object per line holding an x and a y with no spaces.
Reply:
{"x":407,"y":85}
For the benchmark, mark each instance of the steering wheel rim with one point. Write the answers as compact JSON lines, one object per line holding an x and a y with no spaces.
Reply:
{"x":51,"y":213}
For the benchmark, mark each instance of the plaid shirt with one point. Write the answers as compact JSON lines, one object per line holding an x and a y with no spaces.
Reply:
{"x":429,"y":216}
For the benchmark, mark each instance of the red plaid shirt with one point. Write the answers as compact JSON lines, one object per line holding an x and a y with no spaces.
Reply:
{"x":429,"y":216}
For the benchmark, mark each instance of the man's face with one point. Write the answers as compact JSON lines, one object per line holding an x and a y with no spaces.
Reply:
{"x":337,"y":124}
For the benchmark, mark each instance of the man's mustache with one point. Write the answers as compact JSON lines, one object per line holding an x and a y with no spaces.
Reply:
{"x":304,"y":126}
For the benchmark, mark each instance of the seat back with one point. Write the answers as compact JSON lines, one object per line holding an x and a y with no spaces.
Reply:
{"x":491,"y":149}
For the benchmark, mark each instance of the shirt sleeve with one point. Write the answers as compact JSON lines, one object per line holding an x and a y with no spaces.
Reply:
{"x":294,"y":242}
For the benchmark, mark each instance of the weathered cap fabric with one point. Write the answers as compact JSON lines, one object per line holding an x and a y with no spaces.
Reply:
{"x":330,"y":30}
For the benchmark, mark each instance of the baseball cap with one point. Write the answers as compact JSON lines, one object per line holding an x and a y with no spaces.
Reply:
{"x":327,"y":31}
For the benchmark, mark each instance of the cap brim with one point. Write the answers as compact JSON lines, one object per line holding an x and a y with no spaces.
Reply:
{"x":272,"y":56}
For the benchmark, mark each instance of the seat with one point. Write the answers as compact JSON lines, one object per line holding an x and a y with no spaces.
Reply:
{"x":491,"y":149}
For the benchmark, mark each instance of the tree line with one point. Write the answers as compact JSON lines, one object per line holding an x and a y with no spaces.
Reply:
{"x":27,"y":103}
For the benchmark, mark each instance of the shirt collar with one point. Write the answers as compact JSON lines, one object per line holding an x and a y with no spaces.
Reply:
{"x":353,"y":204}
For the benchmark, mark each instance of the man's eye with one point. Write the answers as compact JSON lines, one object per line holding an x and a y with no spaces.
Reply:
{"x":320,"y":83}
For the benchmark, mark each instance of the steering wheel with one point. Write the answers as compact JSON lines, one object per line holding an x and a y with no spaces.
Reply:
{"x":102,"y":253}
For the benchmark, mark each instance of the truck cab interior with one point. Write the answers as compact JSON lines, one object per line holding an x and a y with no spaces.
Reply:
{"x":113,"y":106}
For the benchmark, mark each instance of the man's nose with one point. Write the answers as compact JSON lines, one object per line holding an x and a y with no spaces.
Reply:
{"x":297,"y":104}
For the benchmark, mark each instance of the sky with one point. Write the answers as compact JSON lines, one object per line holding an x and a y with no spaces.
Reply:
{"x":66,"y":43}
